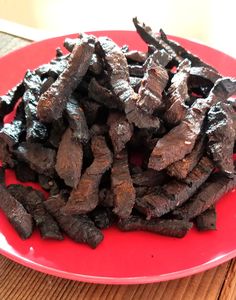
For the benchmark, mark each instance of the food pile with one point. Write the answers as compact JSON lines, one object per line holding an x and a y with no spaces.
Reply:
{"x":143,"y":140}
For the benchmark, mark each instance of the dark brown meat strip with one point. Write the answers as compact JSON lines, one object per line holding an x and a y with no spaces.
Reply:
{"x":152,"y":86}
{"x":206,"y":220}
{"x":35,"y":131}
{"x":16,"y":214}
{"x":69,"y":159}
{"x":173,"y":228}
{"x":122,"y":186}
{"x":24,"y":173}
{"x":180,"y":169}
{"x":204,"y":73}
{"x":91,"y":110}
{"x":102,"y":95}
{"x":120,"y":131}
{"x":80,"y":228}
{"x":33,"y":201}
{"x":174,"y":193}
{"x":180,"y":140}
{"x":221,"y":136}
{"x":102,"y":217}
{"x":53,"y":101}
{"x":58,"y":128}
{"x":210,"y":193}
{"x":8,"y":101}
{"x":84,"y":198}
{"x":119,"y":80}
{"x":148,"y":178}
{"x":77,"y":121}
{"x":177,"y":95}
{"x":40,"y":159}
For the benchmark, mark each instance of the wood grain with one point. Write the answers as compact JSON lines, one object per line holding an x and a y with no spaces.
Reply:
{"x":20,"y":283}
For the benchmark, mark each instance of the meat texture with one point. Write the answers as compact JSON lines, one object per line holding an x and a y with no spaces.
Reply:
{"x":122,"y":186}
{"x":53,"y":101}
{"x":20,"y":219}
{"x":206,"y":220}
{"x":79,"y":228}
{"x":69,"y":159}
{"x":210,"y":193}
{"x":180,"y":140}
{"x":173,"y":228}
{"x":221,"y":136}
{"x":84,"y":197}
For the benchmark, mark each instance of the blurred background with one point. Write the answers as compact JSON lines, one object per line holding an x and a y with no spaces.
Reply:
{"x":209,"y":21}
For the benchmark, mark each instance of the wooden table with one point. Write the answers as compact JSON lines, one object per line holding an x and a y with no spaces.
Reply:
{"x":19,"y":282}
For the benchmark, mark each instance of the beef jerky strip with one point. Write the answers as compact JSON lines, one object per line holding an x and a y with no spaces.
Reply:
{"x":102,"y":217}
{"x":91,"y":110}
{"x":16,"y":214}
{"x":122,"y":186}
{"x":102,"y":95}
{"x":202,"y":74}
{"x":221,"y":136}
{"x":180,"y":169}
{"x":33,"y":200}
{"x":174,"y":193}
{"x":69,"y":159}
{"x":40,"y":159}
{"x":206,"y":220}
{"x":152,"y":86}
{"x":148,"y":178}
{"x":84,"y":198}
{"x":80,"y":228}
{"x":177,"y":95}
{"x":160,"y":57}
{"x":173,"y":228}
{"x":180,"y":140}
{"x":8,"y":101}
{"x":119,"y":80}
{"x":53,"y":101}
{"x":120,"y":131}
{"x":77,"y":121}
{"x":35,"y":131}
{"x":136,"y":56}
{"x":54,"y":68}
{"x":212,"y":190}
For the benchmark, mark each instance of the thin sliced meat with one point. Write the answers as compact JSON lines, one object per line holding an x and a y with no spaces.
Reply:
{"x":120,"y":131}
{"x":122,"y":186}
{"x":173,"y":228}
{"x":69,"y":159}
{"x":80,"y":228}
{"x":84,"y":197}
{"x":206,"y":220}
{"x":53,"y":101}
{"x":180,"y":140}
{"x":20,"y":219}
{"x":210,"y":193}
{"x":221,"y":136}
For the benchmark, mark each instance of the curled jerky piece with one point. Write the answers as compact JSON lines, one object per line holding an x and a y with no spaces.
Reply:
{"x":117,"y":67}
{"x":53,"y":101}
{"x":180,"y":140}
{"x":173,"y":228}
{"x":120,"y":131}
{"x":221,"y":136}
{"x":177,"y":95}
{"x":215,"y":187}
{"x":69,"y":159}
{"x":77,"y":121}
{"x":122,"y":186}
{"x":180,"y":169}
{"x":80,"y":228}
{"x":174,"y":193}
{"x":84,"y":197}
{"x":16,"y":214}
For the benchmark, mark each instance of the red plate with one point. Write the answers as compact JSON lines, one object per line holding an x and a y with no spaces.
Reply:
{"x":122,"y":258}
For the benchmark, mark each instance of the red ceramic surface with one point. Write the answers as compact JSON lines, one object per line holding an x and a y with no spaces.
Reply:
{"x":137,"y":257}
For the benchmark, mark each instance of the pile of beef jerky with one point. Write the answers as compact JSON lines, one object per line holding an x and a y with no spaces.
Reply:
{"x":141,"y":139}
